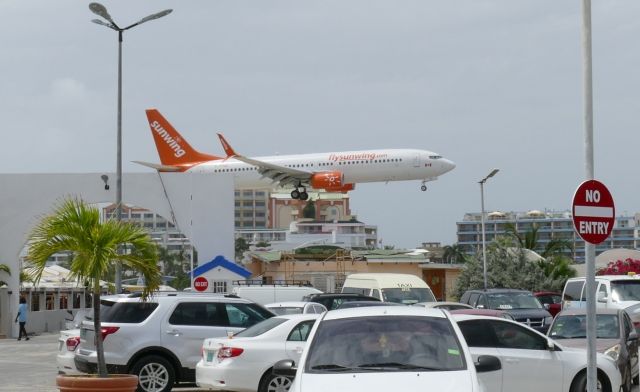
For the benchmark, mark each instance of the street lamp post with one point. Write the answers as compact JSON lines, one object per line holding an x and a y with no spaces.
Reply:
{"x":101,"y":11}
{"x":484,"y":242}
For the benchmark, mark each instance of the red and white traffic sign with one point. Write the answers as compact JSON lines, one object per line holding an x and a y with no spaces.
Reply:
{"x":593,"y":211}
{"x":200,"y":283}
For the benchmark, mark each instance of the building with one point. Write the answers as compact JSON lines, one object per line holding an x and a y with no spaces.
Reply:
{"x":550,"y":224}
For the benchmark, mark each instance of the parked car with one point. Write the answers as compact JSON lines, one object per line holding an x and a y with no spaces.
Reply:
{"x":385,"y":348}
{"x":270,"y":293}
{"x":521,"y":304}
{"x":359,"y":304}
{"x":444,"y":305}
{"x":616,"y":337}
{"x":401,"y":288}
{"x":294,"y":307}
{"x":613,"y":291}
{"x":68,"y":342}
{"x":333,"y":300}
{"x":484,"y":312}
{"x":531,"y":361}
{"x":159,"y":340}
{"x":244,"y":363}
{"x":551,"y":301}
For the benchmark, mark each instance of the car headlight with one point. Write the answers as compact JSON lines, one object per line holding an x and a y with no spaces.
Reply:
{"x":548,"y":320}
{"x":613,"y":352}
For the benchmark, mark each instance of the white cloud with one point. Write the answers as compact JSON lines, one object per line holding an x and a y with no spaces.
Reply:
{"x":67,"y":90}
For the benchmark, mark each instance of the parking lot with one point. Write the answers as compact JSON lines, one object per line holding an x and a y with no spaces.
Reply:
{"x":31,"y":365}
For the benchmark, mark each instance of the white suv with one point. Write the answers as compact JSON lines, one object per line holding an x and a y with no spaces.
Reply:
{"x":160,"y":339}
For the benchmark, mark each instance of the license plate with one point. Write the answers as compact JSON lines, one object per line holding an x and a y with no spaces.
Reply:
{"x":209,"y":357}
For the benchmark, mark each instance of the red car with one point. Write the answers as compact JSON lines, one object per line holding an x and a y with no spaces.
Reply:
{"x":551,"y":301}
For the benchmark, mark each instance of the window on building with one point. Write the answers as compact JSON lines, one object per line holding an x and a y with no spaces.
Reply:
{"x":219,"y":286}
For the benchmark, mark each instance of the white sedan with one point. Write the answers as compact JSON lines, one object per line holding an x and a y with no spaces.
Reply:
{"x":295,"y":307}
{"x":531,"y":362}
{"x":244,"y":361}
{"x":67,"y":344}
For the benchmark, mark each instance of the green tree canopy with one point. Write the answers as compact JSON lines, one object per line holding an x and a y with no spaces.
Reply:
{"x":309,"y":210}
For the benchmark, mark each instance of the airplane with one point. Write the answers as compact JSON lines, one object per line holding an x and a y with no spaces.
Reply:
{"x":331,"y":171}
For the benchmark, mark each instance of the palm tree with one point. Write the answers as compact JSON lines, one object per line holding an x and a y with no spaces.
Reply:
{"x":454,"y":254}
{"x":4,"y":268}
{"x":76,"y":227}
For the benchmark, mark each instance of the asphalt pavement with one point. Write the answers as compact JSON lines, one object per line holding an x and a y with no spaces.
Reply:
{"x":30,"y":365}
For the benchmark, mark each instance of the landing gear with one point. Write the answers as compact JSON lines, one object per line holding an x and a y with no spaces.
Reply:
{"x":300,"y":193}
{"x":423,"y":187}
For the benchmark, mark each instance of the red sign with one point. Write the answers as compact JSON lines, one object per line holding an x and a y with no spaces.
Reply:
{"x":593,"y":211}
{"x":200,"y":283}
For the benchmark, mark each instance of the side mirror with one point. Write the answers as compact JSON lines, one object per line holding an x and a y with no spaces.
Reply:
{"x":602,"y":297}
{"x":550,"y":345}
{"x":285,"y":367}
{"x":547,"y":306}
{"x":487,"y":363}
{"x":633,"y":336}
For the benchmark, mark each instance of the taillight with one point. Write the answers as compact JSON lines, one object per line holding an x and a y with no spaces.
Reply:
{"x":229,"y":352}
{"x":106,"y":331}
{"x":72,"y":343}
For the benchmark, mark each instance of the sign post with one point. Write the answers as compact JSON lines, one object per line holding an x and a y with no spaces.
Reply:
{"x":201,"y":283}
{"x":593,"y":219}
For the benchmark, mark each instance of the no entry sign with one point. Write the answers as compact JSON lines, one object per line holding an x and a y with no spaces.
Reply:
{"x":201,"y":283}
{"x":593,"y":211}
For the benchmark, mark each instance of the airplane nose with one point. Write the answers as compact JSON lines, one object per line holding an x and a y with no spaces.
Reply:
{"x":448,"y":165}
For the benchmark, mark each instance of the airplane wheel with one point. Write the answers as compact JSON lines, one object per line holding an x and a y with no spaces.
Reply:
{"x":423,"y":188}
{"x":295,"y":194}
{"x":304,"y":195}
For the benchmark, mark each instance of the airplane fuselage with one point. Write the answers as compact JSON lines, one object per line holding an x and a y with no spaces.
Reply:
{"x":355,"y":166}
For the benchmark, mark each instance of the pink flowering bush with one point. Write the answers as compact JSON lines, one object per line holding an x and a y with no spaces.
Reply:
{"x":620,"y":267}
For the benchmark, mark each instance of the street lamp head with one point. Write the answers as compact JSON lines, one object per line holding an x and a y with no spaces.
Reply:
{"x":493,"y":173}
{"x":157,"y":15}
{"x":98,"y":21}
{"x":100,"y":10}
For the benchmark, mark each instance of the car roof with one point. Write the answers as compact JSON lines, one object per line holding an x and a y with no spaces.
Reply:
{"x":172,"y":296}
{"x":571,"y":312}
{"x":610,"y":277}
{"x":288,"y":304}
{"x":298,"y":316}
{"x":368,"y":311}
{"x":496,"y":291}
{"x":436,"y":304}
{"x":546,"y":293}
{"x":464,"y":317}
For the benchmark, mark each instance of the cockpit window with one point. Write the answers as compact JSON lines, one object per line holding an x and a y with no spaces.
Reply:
{"x":435,"y":156}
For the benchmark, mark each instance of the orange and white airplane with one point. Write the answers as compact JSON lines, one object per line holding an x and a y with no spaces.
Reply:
{"x":331,"y":171}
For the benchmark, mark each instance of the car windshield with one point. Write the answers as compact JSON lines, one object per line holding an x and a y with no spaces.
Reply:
{"x":280,"y":310}
{"x":518,"y":300}
{"x":625,"y":290}
{"x":385,"y":344}
{"x":261,"y":327}
{"x":575,"y":327}
{"x":407,"y":295}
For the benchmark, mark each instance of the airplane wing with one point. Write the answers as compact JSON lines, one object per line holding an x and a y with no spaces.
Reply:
{"x":279,"y":174}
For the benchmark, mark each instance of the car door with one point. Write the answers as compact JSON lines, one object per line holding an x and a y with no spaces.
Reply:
{"x":528,"y":365}
{"x":481,"y":341}
{"x":297,"y":339}
{"x":631,"y":345}
{"x":189,"y":323}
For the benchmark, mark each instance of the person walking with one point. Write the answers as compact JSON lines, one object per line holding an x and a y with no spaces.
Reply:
{"x":22,"y":318}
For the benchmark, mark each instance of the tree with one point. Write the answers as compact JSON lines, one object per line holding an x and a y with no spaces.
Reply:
{"x":4,"y":268}
{"x":76,"y":227}
{"x":454,"y":254}
{"x":505,"y":268}
{"x":241,"y":246}
{"x":309,"y":210}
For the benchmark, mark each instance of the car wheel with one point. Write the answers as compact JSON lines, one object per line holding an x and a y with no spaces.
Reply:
{"x":273,"y":383}
{"x":155,"y":374}
{"x":579,"y":384}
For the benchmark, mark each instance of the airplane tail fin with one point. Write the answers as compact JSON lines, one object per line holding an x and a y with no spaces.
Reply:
{"x":227,"y":147}
{"x":173,"y":149}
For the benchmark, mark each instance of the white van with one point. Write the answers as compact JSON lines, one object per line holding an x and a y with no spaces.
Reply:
{"x":268,"y":294}
{"x":399,"y":288}
{"x":612,"y":291}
